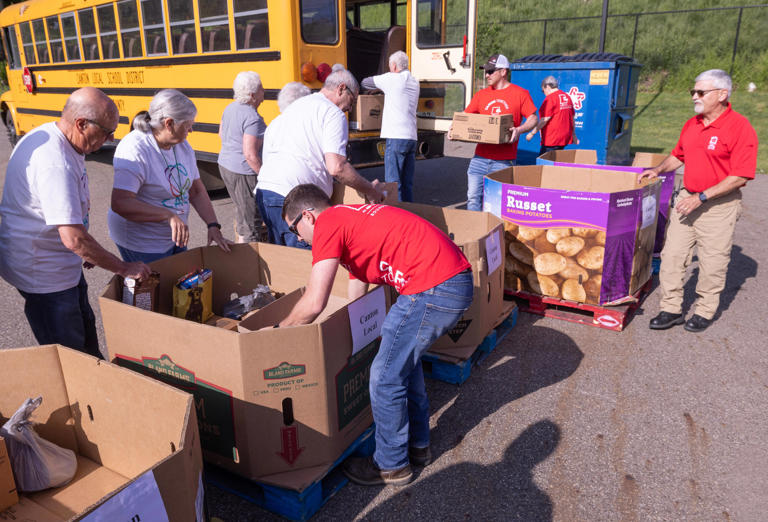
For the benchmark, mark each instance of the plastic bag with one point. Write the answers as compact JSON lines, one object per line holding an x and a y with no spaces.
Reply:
{"x":239,"y":306}
{"x":37,"y":463}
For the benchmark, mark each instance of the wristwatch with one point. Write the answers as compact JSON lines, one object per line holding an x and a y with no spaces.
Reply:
{"x":214,"y":224}
{"x":702,"y":197}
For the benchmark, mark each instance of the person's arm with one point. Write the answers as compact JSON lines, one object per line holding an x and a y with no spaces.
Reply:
{"x":536,"y":128}
{"x":669,"y":164}
{"x":369,"y":84}
{"x":345,"y":173}
{"x":690,"y":203}
{"x":315,"y":297}
{"x":77,"y":239}
{"x":252,"y":151}
{"x":356,"y":288}
{"x":125,"y":204}
{"x":198,"y":198}
{"x":529,"y":123}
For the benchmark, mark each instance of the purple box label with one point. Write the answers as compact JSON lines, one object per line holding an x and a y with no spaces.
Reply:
{"x":538,"y":207}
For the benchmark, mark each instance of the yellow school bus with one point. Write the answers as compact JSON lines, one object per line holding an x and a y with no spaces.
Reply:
{"x":132,"y":48}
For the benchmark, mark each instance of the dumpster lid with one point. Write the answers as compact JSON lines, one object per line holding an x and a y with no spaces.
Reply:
{"x":583,"y":57}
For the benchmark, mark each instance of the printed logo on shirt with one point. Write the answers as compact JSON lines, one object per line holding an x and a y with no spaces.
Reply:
{"x":712,"y":143}
{"x":565,"y":101}
{"x":496,"y":106}
{"x":178,"y":184}
{"x":577,"y":96}
{"x":392,"y":276}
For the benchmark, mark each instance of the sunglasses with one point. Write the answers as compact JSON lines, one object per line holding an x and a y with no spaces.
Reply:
{"x":489,"y":72}
{"x":102,"y":127}
{"x":700,"y":92}
{"x":295,"y":222}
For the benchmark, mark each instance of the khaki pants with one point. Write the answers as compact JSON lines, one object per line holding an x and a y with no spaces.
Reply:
{"x":710,"y":228}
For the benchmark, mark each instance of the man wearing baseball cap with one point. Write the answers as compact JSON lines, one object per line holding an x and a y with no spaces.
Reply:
{"x":500,"y":97}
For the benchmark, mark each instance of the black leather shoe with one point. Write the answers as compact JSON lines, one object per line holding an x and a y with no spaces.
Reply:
{"x":665,"y":320}
{"x":697,"y":323}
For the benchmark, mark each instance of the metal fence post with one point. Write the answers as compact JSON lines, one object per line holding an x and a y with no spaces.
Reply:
{"x":634,"y":35}
{"x":544,"y":39}
{"x":736,"y":40}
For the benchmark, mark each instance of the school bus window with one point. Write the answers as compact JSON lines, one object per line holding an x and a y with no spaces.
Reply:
{"x":12,"y":48}
{"x":54,"y":38}
{"x":214,"y":25}
{"x":182,"y":18}
{"x":319,"y":21}
{"x":108,"y":31}
{"x":438,"y":28}
{"x":129,"y":28}
{"x":154,"y":27}
{"x":42,"y":46}
{"x":88,"y":34}
{"x":71,"y":43}
{"x":440,"y":99}
{"x":27,"y":44}
{"x":251,"y":24}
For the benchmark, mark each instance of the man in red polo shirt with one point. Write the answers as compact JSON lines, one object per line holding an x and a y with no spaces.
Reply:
{"x":500,"y":97}
{"x":555,"y":118}
{"x":718,"y":147}
{"x":386,"y":245}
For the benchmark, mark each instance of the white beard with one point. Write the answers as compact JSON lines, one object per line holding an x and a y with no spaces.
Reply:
{"x":698,"y":107}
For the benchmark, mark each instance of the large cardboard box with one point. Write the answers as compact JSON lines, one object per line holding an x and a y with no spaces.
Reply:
{"x":481,"y":128}
{"x":366,"y":114}
{"x":136,"y":440}
{"x":8,"y":495}
{"x":568,"y":156}
{"x":576,"y":233}
{"x":278,"y":405}
{"x":480,"y":237}
{"x":343,"y":194}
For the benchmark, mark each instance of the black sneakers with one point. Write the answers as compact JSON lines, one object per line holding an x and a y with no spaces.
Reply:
{"x":365,"y":472}
{"x":697,"y":323}
{"x":665,"y":320}
{"x":420,"y":456}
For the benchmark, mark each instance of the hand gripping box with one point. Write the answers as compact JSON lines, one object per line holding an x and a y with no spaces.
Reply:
{"x":279,"y":405}
{"x":575,"y":233}
{"x":136,"y":440}
{"x":481,"y":128}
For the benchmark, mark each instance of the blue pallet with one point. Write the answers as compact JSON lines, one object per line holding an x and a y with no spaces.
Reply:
{"x":293,"y":505}
{"x":458,"y":372}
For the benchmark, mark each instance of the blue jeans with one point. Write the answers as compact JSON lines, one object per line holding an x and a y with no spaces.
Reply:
{"x":64,"y":317}
{"x":132,"y":256}
{"x":477,"y":170}
{"x":271,"y":209}
{"x":399,"y":165}
{"x":398,"y":397}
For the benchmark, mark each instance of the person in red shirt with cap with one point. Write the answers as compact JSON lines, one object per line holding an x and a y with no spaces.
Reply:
{"x":385,"y":245}
{"x":555,"y":118}
{"x":500,"y":97}
{"x":718,"y":147}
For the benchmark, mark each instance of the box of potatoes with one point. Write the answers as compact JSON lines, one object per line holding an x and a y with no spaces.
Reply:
{"x":578,"y":234}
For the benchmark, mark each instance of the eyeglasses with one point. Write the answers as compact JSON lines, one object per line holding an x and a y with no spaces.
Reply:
{"x":102,"y":127}
{"x":295,"y":222}
{"x":700,"y":92}
{"x":354,"y":96}
{"x":490,"y":72}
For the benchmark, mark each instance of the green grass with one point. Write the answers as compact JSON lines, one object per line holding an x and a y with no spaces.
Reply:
{"x":660,"y":116}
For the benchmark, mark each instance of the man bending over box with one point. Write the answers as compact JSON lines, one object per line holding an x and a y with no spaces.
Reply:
{"x":380,"y":244}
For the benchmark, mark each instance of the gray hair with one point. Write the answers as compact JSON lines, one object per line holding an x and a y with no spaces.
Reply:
{"x":338,"y":77}
{"x":168,"y":103}
{"x":550,"y":81}
{"x":246,"y":83}
{"x":399,"y":59}
{"x":719,"y":79}
{"x":337,"y":67}
{"x":290,"y":93}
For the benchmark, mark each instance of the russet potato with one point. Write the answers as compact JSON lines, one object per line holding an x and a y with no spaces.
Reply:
{"x":521,"y":252}
{"x":570,"y":246}
{"x":573,"y":291}
{"x":556,"y":234}
{"x":542,"y":284}
{"x":573,"y":270}
{"x":529,"y":233}
{"x":549,"y":263}
{"x":591,"y":258}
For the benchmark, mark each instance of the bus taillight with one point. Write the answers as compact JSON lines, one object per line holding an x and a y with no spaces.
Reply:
{"x":323,"y":70}
{"x":29,"y":82}
{"x":308,"y":72}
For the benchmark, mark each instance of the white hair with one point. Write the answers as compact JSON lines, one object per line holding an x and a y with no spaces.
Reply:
{"x":337,"y":67}
{"x":290,"y":93}
{"x":168,"y":103}
{"x":719,"y":79}
{"x":246,"y":83}
{"x":336,"y":78}
{"x":399,"y":59}
{"x":550,"y":81}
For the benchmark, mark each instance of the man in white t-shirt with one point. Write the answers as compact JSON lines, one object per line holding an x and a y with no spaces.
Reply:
{"x":308,"y":144}
{"x":44,"y":235}
{"x":398,"y":122}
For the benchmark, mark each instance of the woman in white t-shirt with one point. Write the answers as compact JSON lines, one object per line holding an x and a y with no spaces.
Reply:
{"x":156,"y":180}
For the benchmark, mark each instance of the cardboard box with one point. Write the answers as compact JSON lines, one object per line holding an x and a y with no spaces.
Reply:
{"x":480,"y":237}
{"x":481,"y":128}
{"x":8,"y":495}
{"x":343,"y":194}
{"x":642,"y":161}
{"x":278,"y":405}
{"x":366,"y":114}
{"x":576,"y":233}
{"x":136,"y":440}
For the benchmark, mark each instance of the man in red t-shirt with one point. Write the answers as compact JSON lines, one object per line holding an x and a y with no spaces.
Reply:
{"x":380,"y":244}
{"x":555,"y":118}
{"x":500,"y":97}
{"x":718,"y":147}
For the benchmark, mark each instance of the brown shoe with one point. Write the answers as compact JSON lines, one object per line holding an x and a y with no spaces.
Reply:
{"x":420,"y":456}
{"x":365,"y":472}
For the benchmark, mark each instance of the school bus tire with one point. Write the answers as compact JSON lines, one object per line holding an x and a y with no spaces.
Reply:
{"x":13,"y":138}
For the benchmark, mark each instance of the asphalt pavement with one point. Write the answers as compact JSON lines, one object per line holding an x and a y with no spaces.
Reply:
{"x":562,"y":421}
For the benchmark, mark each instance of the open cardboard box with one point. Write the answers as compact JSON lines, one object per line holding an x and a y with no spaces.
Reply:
{"x":605,"y":220}
{"x":136,"y":440}
{"x":8,"y":494}
{"x":343,"y":194}
{"x":279,"y":405}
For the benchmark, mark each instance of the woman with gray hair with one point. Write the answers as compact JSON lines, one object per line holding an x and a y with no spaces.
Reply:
{"x":291,"y":92}
{"x":156,"y":180}
{"x":242,"y":137}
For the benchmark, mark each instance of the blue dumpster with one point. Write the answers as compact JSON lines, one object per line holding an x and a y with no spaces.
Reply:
{"x":603,"y":87}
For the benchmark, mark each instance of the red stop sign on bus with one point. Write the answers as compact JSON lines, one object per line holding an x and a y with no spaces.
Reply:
{"x":29,"y":82}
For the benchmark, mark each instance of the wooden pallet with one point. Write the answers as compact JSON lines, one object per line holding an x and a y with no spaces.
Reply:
{"x":608,"y":317}
{"x":455,"y":371}
{"x":293,"y":505}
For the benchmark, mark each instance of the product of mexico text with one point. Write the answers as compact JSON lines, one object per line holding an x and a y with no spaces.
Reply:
{"x":578,"y":234}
